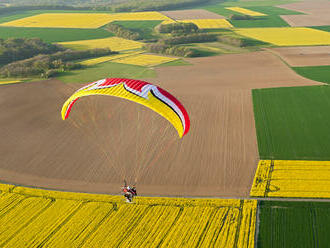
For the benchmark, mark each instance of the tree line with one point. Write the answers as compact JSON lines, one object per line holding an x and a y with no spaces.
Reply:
{"x":49,"y":65}
{"x":14,"y":49}
{"x":122,"y":32}
{"x":191,"y":38}
{"x":177,"y":28}
{"x":178,"y":51}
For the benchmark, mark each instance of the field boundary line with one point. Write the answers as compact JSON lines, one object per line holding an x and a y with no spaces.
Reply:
{"x":269,"y":178}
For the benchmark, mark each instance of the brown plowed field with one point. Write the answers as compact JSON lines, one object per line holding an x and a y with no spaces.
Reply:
{"x":304,"y":56}
{"x":107,"y":139}
{"x":307,"y":20}
{"x":190,"y":14}
{"x":318,"y":13}
{"x":309,"y":7}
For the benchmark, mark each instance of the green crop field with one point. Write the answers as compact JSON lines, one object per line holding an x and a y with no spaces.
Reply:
{"x":293,"y":123}
{"x":108,"y":69}
{"x":177,"y":62}
{"x":294,"y":224}
{"x":261,"y":22}
{"x":256,"y":3}
{"x":273,"y":13}
{"x":272,"y":10}
{"x":54,"y":34}
{"x":316,"y":73}
{"x":324,"y":28}
{"x":145,"y":28}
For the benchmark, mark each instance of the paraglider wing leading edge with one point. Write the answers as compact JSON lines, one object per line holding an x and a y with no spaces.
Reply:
{"x":140,"y":92}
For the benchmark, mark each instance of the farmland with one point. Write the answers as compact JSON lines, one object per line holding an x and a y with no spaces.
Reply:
{"x":210,"y":23}
{"x":32,"y":217}
{"x":80,"y":20}
{"x":308,"y":59}
{"x":144,"y":60}
{"x":114,"y":43}
{"x":62,"y":20}
{"x":205,"y":23}
{"x":317,"y":73}
{"x":245,"y":11}
{"x":293,"y":224}
{"x":287,"y":36}
{"x":103,"y":59}
{"x":144,"y":28}
{"x":9,"y":81}
{"x":292,"y":178}
{"x":54,"y":34}
{"x":107,"y":69}
{"x":292,"y":123}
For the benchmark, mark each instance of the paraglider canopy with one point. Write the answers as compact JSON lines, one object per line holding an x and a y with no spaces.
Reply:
{"x":138,"y":91}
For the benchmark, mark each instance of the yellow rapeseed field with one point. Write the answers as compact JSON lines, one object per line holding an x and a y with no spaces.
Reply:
{"x":81,"y":20}
{"x":99,"y":60}
{"x":292,"y":178}
{"x":62,"y":20}
{"x":144,"y":60}
{"x":246,"y":11}
{"x":289,"y":36}
{"x":10,"y":82}
{"x":114,"y":43}
{"x":207,"y":23}
{"x":41,"y":218}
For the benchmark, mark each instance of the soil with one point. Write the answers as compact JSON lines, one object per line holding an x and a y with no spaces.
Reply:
{"x":191,"y":14}
{"x":318,"y":13}
{"x":304,"y":56}
{"x":107,"y":139}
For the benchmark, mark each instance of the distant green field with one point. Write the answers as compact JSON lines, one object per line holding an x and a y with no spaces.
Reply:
{"x":256,"y":3}
{"x":324,"y":28}
{"x":145,"y":28}
{"x":219,"y":9}
{"x":261,"y":22}
{"x":272,"y":10}
{"x":177,"y":62}
{"x":293,"y":224}
{"x":293,"y":123}
{"x":316,"y":73}
{"x":271,"y":20}
{"x":54,"y":34}
{"x":108,"y":69}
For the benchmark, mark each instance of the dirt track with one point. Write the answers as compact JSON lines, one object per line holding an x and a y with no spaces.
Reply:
{"x":304,"y":56}
{"x":217,"y":158}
